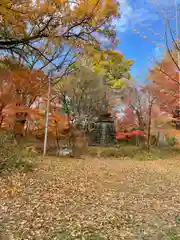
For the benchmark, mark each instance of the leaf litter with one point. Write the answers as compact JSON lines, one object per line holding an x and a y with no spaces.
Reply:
{"x":93,"y":199}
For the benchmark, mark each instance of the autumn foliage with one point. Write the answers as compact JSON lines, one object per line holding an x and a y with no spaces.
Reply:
{"x":165,"y":84}
{"x":44,"y":30}
{"x":38,"y":38}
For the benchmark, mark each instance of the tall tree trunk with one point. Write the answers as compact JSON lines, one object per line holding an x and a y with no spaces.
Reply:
{"x":149,"y":128}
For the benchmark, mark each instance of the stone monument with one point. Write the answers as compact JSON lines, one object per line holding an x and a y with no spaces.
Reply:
{"x":103,"y":133}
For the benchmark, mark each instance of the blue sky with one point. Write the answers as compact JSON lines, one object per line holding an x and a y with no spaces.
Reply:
{"x":146,"y":18}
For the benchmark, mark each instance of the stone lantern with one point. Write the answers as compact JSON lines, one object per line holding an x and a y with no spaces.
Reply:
{"x":103,"y":133}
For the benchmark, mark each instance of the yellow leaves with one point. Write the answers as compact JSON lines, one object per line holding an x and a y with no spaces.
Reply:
{"x":12,"y":191}
{"x":14,"y":15}
{"x":95,"y":10}
{"x":96,"y":69}
{"x":82,"y":9}
{"x":37,"y":3}
{"x":111,"y":7}
{"x":105,"y":8}
{"x":117,"y":83}
{"x":27,"y":19}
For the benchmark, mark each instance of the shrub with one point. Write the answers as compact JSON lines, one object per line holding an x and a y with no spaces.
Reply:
{"x":171,"y":141}
{"x":11,"y":155}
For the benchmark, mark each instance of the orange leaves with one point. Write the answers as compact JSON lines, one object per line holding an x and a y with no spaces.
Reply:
{"x":28,"y":83}
{"x":56,"y":127}
{"x":28,"y":77}
{"x":18,"y":91}
{"x":46,"y":8}
{"x":61,"y":2}
{"x":62,"y":123}
{"x":173,"y":132}
{"x":165,"y":83}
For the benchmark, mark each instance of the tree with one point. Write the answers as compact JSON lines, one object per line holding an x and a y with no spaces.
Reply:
{"x":112,"y":66}
{"x":151,"y":100}
{"x":51,"y":30}
{"x":157,"y":121}
{"x":84,"y":94}
{"x":169,"y":39}
{"x":49,"y":36}
{"x":92,"y":79}
{"x":134,"y":101}
{"x":19,"y":89}
{"x":142,"y":111}
{"x":164,"y":77}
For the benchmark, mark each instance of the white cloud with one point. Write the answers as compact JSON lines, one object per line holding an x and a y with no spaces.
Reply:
{"x":159,"y":53}
{"x":130,"y":17}
{"x":126,"y":12}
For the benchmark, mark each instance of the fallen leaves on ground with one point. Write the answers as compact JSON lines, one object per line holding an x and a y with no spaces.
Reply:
{"x":93,"y":199}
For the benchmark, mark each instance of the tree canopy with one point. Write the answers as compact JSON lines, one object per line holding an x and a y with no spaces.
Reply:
{"x":49,"y":30}
{"x":112,"y":66}
{"x":165,"y":84}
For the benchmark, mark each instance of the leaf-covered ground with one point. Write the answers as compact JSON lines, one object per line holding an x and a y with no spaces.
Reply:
{"x":93,"y":199}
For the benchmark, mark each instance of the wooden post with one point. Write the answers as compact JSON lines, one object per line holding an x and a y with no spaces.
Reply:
{"x":47,"y":117}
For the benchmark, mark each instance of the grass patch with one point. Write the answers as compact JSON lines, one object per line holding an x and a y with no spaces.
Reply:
{"x":133,"y":152}
{"x":173,"y":234}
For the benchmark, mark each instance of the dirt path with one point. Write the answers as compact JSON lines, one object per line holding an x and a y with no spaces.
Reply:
{"x":93,"y":199}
